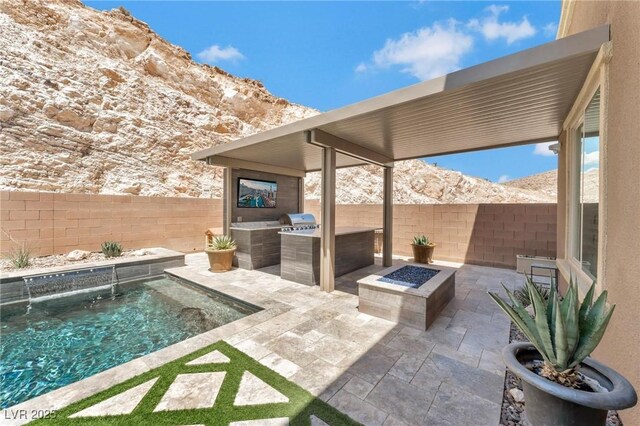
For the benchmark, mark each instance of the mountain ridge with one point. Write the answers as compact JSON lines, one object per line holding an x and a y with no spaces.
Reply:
{"x":97,"y":102}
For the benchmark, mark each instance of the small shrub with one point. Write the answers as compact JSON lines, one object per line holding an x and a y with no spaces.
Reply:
{"x":111,"y":248}
{"x":421,"y":240}
{"x":222,"y":242}
{"x":523,"y":296}
{"x":20,"y":257}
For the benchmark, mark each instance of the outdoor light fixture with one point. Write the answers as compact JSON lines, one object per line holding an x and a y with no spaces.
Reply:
{"x":555,"y":148}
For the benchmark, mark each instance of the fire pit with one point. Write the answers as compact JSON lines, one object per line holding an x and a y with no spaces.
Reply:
{"x":409,"y":294}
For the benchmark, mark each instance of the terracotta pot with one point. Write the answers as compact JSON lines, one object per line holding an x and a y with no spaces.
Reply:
{"x":423,"y":254}
{"x":221,"y":260}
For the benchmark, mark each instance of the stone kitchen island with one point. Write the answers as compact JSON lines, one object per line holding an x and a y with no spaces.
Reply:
{"x":258,"y":244}
{"x":300,"y":252}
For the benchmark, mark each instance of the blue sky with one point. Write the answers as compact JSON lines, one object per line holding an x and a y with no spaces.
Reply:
{"x":330,"y":54}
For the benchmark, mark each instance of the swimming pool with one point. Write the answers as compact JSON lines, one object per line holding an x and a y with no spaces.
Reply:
{"x":61,"y":341}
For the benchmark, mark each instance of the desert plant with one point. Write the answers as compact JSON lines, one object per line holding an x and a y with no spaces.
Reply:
{"x":522,"y":293}
{"x":222,"y":242}
{"x":111,"y":248}
{"x":421,"y":240}
{"x":564,"y":333}
{"x":19,"y":257}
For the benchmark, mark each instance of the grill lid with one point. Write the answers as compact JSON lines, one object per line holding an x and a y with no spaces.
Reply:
{"x":294,"y":219}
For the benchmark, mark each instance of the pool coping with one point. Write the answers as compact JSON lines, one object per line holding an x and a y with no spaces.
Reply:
{"x":104,"y":380}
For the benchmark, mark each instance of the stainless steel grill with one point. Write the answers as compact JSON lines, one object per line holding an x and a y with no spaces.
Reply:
{"x":298,"y":221}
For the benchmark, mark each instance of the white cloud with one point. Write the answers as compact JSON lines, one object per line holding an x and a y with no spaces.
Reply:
{"x":503,"y":178}
{"x":215,"y":53}
{"x":543,"y":149}
{"x":362,"y":67}
{"x":591,"y":158}
{"x":439,"y":49}
{"x":492,"y":29}
{"x":550,"y":30}
{"x":426,"y":53}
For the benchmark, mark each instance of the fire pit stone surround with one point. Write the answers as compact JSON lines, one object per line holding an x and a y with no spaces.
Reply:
{"x":416,"y":307}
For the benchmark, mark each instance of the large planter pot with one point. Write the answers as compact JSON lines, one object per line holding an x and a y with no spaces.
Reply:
{"x":549,"y":403}
{"x":423,"y":254}
{"x":221,"y":260}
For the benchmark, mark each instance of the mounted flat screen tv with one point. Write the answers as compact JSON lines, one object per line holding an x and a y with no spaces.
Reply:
{"x":253,"y":193}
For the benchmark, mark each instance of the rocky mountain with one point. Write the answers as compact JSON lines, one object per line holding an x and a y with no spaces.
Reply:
{"x":547,"y":183}
{"x":96,"y":102}
{"x":417,"y":182}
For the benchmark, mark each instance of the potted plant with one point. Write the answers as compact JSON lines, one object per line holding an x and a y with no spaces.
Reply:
{"x":562,"y":385}
{"x":422,"y":249}
{"x":221,"y":250}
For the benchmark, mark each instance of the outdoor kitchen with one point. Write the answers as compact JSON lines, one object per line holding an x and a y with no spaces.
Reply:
{"x":269,"y":228}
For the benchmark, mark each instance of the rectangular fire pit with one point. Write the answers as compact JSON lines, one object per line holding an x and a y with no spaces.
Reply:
{"x":410,"y":294}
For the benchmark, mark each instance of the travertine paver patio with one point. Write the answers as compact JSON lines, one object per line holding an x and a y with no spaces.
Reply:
{"x":378,"y":372}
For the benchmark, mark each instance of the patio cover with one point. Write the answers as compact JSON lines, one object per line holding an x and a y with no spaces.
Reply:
{"x":517,"y":99}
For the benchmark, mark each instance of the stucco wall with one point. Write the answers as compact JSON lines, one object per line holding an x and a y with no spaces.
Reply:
{"x":482,"y":234}
{"x":50,"y":223}
{"x":620,"y":347}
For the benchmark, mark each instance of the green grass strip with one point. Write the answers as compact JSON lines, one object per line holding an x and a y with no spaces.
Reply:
{"x":300,"y":407}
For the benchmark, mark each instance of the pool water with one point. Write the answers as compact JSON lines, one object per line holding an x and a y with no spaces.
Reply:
{"x":61,"y":341}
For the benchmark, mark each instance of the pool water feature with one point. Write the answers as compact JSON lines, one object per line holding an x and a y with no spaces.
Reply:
{"x":60,"y":341}
{"x":62,"y":283}
{"x":409,"y":276}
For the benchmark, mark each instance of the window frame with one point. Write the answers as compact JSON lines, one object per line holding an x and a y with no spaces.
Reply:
{"x":570,"y":267}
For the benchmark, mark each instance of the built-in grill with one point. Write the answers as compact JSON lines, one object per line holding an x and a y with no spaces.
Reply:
{"x":298,"y":222}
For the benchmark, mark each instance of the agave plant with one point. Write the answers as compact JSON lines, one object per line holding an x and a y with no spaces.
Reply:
{"x":564,"y":332}
{"x":522,"y":294}
{"x":111,"y":248}
{"x":421,"y":240}
{"x":222,"y":242}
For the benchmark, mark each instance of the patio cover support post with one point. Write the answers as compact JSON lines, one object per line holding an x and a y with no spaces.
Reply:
{"x":300,"y":195}
{"x":387,"y":217}
{"x":227,"y":196}
{"x":327,"y":220}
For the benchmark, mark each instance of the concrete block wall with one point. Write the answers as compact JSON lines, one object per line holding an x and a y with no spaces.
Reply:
{"x":482,"y":234}
{"x":52,"y":223}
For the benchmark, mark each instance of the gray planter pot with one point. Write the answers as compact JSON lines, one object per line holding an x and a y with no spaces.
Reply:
{"x":549,"y":403}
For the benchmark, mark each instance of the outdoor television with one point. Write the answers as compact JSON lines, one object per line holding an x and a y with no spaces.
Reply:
{"x":254,"y":193}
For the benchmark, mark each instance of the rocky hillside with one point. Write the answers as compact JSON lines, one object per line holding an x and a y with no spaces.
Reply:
{"x":547,"y":183}
{"x":96,"y":102}
{"x":417,"y":182}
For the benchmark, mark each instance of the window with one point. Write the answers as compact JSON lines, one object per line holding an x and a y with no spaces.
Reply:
{"x":585,"y":193}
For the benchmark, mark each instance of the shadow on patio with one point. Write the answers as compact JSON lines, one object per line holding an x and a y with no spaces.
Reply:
{"x":376,"y":371}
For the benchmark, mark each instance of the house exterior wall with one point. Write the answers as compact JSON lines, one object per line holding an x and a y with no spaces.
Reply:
{"x":620,"y":186}
{"x":49,"y":223}
{"x":482,"y":234}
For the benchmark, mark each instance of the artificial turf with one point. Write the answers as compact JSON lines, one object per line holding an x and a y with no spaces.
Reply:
{"x":300,"y":407}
